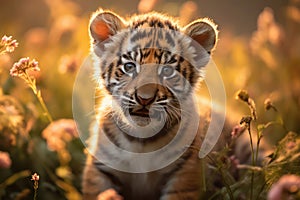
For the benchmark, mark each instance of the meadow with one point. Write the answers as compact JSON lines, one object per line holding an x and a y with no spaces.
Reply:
{"x":43,"y":45}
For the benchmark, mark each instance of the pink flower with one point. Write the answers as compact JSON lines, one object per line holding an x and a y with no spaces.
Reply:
{"x":5,"y":39}
{"x":5,"y":161}
{"x":237,"y":131}
{"x":9,"y":43}
{"x":287,"y":185}
{"x":11,"y":115}
{"x":24,"y":64}
{"x":59,"y":132}
{"x":35,"y":177}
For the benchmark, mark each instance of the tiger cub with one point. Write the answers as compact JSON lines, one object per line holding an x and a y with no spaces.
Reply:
{"x":147,"y":69}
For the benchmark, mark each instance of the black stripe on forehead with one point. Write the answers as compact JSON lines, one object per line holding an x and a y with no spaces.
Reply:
{"x":118,"y":73}
{"x":136,"y":47}
{"x":121,"y":44}
{"x":166,"y":56}
{"x":171,"y":26}
{"x":169,"y":38}
{"x":148,"y":44}
{"x":158,"y":54}
{"x":152,"y":36}
{"x":136,"y":24}
{"x":161,"y":55}
{"x":127,"y":56}
{"x":157,"y":44}
{"x":134,"y":54}
{"x":172,"y":59}
{"x":155,"y":22}
{"x":160,"y":34}
{"x":139,"y":35}
{"x":145,"y":53}
{"x":130,"y":55}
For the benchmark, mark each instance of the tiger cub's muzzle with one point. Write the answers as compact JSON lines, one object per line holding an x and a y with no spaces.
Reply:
{"x":145,"y":96}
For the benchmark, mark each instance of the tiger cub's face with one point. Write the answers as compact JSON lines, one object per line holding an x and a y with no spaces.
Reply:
{"x":149,"y":64}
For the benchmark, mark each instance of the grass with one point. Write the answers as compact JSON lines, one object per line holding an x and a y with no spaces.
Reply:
{"x":38,"y":135}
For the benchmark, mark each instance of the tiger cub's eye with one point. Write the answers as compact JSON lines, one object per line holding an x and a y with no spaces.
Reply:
{"x":167,"y":71}
{"x":129,"y":68}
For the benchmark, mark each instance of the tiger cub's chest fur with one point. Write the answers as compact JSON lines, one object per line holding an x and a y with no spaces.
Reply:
{"x":147,"y":69}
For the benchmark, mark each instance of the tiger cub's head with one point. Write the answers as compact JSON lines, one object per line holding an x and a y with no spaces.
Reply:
{"x":149,"y":64}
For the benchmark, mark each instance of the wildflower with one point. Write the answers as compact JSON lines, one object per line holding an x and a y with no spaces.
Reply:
{"x":285,"y":187}
{"x":59,"y":132}
{"x":5,"y":161}
{"x":12,"y":122}
{"x":5,"y":39}
{"x":269,"y":105}
{"x":237,"y":131}
{"x":20,"y":68}
{"x":35,"y":178}
{"x":8,"y":43}
{"x":246,"y":120}
{"x":243,"y":95}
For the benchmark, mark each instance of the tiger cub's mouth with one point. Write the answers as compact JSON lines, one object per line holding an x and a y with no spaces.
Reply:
{"x":143,"y":116}
{"x":142,"y":112}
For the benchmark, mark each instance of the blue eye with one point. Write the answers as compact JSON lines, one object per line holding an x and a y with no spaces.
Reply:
{"x":129,"y":68}
{"x":167,"y":71}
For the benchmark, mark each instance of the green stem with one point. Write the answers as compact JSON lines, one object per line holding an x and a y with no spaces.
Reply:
{"x":35,"y":194}
{"x":260,"y":134}
{"x":253,"y":161}
{"x":46,"y":111}
{"x":251,"y":144}
{"x":257,"y":149}
{"x":39,"y":96}
{"x":227,"y":186}
{"x":260,"y":191}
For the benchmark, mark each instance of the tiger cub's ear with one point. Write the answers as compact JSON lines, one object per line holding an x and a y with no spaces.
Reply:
{"x":204,"y":32}
{"x":104,"y":24}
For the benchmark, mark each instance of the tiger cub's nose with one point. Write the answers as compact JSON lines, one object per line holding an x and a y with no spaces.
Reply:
{"x":146,"y":94}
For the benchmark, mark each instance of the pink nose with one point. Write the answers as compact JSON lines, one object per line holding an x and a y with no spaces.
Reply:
{"x":145,"y":102}
{"x":146,"y":94}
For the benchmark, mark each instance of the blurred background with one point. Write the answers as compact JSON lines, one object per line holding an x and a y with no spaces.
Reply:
{"x":258,"y":50}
